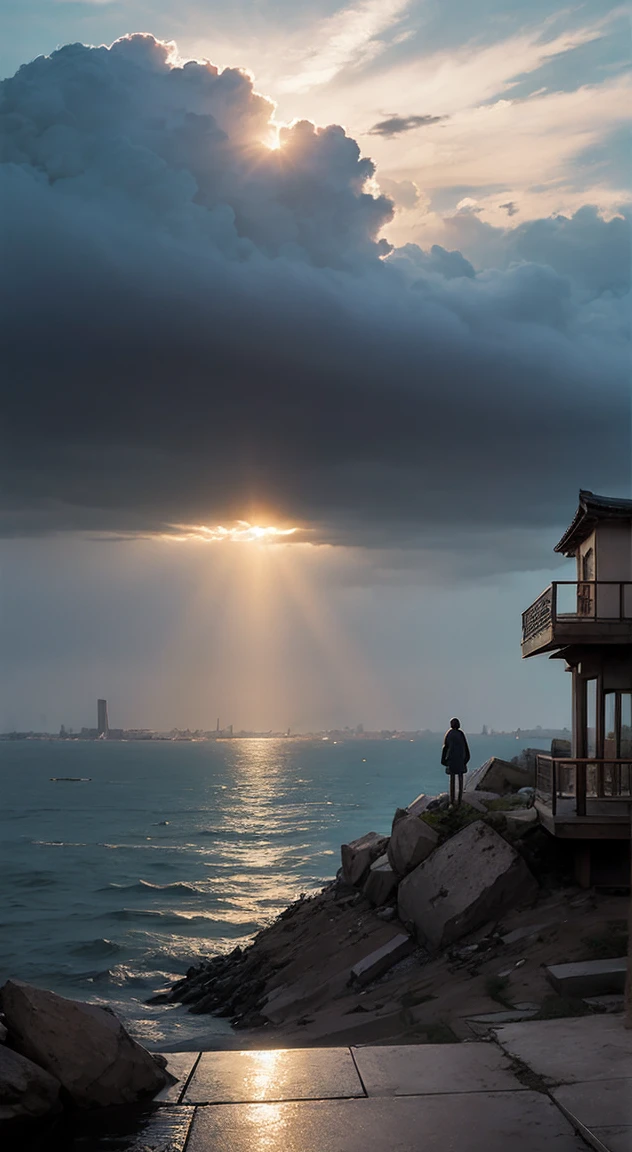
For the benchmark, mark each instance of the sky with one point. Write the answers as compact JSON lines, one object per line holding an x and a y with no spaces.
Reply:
{"x":357,"y":273}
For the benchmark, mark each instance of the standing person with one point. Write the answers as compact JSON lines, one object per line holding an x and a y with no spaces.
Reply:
{"x":455,"y":756}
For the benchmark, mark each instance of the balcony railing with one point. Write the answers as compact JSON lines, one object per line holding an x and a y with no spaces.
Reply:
{"x":574,"y":601}
{"x":581,"y":779}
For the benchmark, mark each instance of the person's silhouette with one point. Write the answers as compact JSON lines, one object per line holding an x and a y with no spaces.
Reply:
{"x":455,"y":756}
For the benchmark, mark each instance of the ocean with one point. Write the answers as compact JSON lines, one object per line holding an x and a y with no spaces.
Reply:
{"x":165,"y":852}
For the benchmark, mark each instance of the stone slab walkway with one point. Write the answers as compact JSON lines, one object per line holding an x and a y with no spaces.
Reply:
{"x":586,"y":1064}
{"x":546,"y":1086}
{"x":405,"y":1098}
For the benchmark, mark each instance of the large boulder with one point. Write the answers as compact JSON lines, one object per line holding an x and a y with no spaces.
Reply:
{"x":497,"y":775}
{"x":381,"y":881}
{"x":412,"y":840}
{"x":83,"y":1046}
{"x":474,"y":877}
{"x":26,"y":1091}
{"x":358,"y":856}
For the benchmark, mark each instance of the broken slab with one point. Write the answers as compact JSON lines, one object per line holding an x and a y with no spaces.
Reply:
{"x":474,"y":877}
{"x":27,"y":1092}
{"x":380,"y":961}
{"x":526,"y":932}
{"x":508,"y":1016}
{"x":358,"y":855}
{"x":381,"y":881}
{"x":571,"y":1050}
{"x":419,"y":804}
{"x":411,"y":842}
{"x":588,"y":977}
{"x":82,"y":1046}
{"x":500,"y":776}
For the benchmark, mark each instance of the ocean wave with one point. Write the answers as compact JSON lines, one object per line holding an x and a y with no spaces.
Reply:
{"x":99,"y":947}
{"x":166,"y":917}
{"x":59,"y":844}
{"x":145,"y":886}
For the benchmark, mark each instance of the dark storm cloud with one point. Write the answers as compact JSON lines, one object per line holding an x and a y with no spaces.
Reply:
{"x":199,"y":328}
{"x":395,"y":125}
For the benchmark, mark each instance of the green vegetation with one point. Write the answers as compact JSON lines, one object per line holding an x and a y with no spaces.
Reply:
{"x":448,"y":823}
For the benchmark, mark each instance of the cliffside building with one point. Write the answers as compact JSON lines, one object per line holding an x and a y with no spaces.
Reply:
{"x":587,"y":623}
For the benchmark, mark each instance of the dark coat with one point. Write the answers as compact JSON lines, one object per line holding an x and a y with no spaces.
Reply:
{"x":455,"y":753}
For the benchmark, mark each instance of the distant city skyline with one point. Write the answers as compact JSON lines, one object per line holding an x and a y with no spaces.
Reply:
{"x":103,"y":730}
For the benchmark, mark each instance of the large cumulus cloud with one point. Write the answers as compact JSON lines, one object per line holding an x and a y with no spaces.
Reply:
{"x":199,"y":326}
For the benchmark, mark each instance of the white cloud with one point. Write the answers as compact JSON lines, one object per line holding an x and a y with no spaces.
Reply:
{"x":350,"y":38}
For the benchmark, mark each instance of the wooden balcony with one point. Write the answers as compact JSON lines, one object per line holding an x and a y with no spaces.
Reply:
{"x":584,"y":798}
{"x":578,"y":612}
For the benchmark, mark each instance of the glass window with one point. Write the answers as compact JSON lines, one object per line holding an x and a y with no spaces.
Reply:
{"x":591,"y":718}
{"x":625,"y":745}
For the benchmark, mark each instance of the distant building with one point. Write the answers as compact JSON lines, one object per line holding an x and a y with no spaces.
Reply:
{"x":102,"y":718}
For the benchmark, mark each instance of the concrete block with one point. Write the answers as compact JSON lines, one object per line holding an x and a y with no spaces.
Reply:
{"x":588,"y":978}
{"x":411,"y":842}
{"x":419,"y":804}
{"x":358,"y":855}
{"x":474,"y":877}
{"x":526,"y":932}
{"x":381,"y":882}
{"x":384,"y":958}
{"x":509,"y":1016}
{"x":497,"y":775}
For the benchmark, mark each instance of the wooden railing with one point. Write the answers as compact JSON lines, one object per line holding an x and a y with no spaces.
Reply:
{"x":591,"y":600}
{"x":581,"y":779}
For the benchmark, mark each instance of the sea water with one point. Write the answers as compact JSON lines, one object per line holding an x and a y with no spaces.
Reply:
{"x":165,"y":852}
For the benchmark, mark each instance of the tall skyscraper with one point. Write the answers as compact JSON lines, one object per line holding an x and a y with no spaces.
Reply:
{"x":102,"y":717}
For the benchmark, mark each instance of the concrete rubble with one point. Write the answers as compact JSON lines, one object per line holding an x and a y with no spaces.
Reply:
{"x":84,"y":1047}
{"x":589,"y":978}
{"x":379,"y":962}
{"x":474,"y":877}
{"x":381,"y":881}
{"x":412,"y":840}
{"x":358,"y":855}
{"x":500,"y":776}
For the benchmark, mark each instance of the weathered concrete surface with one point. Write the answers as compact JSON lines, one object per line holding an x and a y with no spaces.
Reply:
{"x":358,"y":855}
{"x":282,"y":1074}
{"x":412,"y":841}
{"x":26,"y":1091}
{"x":379,"y":962}
{"x":429,"y":1069}
{"x":84,"y":1047}
{"x":381,"y":882}
{"x":497,"y":775}
{"x":588,"y":977}
{"x":474,"y":877}
{"x":522,"y":1121}
{"x":569,"y":1051}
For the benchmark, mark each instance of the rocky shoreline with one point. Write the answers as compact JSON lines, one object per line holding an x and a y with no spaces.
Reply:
{"x":407,"y":940}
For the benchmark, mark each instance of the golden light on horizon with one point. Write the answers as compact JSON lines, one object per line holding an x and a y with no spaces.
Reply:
{"x":241,"y":532}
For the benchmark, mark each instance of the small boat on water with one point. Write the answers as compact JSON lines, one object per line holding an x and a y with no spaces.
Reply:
{"x":74,"y":779}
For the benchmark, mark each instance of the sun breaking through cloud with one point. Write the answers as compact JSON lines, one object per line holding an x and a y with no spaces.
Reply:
{"x":241,"y":532}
